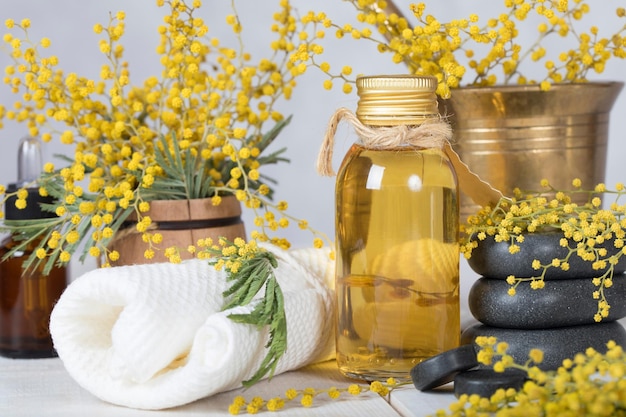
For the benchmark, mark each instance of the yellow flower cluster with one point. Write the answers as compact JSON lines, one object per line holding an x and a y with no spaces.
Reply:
{"x":225,"y":254}
{"x":307,"y":395}
{"x":470,"y":52}
{"x":204,"y":121}
{"x":590,"y":384}
{"x":586,"y":231}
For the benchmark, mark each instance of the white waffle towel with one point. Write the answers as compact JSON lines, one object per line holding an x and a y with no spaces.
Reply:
{"x":154,"y":336}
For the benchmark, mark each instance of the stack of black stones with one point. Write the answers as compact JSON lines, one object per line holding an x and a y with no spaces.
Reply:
{"x":558,"y":318}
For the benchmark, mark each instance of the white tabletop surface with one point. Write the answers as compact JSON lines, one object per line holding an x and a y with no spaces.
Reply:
{"x":42,"y":388}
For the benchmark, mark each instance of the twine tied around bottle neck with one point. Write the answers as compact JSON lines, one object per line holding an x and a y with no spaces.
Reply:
{"x":432,"y":133}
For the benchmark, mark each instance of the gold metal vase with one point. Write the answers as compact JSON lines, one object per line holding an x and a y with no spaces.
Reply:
{"x":514,"y":136}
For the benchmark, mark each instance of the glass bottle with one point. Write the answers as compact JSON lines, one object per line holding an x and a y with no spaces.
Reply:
{"x":27,"y":296}
{"x":397,"y":215}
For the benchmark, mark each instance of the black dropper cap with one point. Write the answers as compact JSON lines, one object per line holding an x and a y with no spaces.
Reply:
{"x":29,"y":165}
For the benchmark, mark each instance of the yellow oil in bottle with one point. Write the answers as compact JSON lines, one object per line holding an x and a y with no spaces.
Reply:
{"x":397,"y":278}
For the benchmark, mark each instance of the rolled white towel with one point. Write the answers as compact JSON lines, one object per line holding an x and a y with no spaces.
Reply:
{"x":153,"y":336}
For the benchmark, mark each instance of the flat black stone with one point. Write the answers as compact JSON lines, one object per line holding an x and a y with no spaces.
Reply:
{"x":492,"y":259}
{"x":441,"y":369}
{"x":557,"y":344}
{"x":485,"y":382}
{"x":564,"y":302}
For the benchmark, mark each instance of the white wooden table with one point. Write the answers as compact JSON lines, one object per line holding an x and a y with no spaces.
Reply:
{"x":42,"y":388}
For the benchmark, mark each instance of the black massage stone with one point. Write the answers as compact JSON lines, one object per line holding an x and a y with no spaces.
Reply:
{"x":557,"y":344}
{"x":441,"y":369}
{"x":485,"y":382}
{"x":564,"y":302}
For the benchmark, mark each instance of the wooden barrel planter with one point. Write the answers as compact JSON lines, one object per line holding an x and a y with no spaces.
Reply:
{"x":181,"y":223}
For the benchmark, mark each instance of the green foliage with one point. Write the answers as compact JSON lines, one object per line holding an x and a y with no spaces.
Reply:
{"x":247,"y":281}
{"x":187,"y":175}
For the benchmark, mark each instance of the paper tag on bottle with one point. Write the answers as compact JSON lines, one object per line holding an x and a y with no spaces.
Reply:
{"x":481,"y":192}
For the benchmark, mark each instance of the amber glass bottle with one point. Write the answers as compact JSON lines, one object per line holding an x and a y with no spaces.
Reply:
{"x":397,"y":211}
{"x":27,"y":296}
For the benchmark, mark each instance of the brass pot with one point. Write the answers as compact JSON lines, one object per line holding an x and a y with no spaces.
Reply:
{"x":514,"y":136}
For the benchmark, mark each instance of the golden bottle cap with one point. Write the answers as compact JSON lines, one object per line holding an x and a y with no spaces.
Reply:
{"x":389,"y":100}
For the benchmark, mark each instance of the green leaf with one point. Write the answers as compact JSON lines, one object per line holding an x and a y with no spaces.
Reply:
{"x":268,"y":310}
{"x":277,"y":344}
{"x":185,"y":174}
{"x":273,"y":133}
{"x":249,"y":280}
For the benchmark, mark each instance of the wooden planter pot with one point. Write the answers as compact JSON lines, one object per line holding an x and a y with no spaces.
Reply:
{"x":181,"y":223}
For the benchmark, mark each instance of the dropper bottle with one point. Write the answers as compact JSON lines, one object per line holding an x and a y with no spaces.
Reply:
{"x":27,"y":296}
